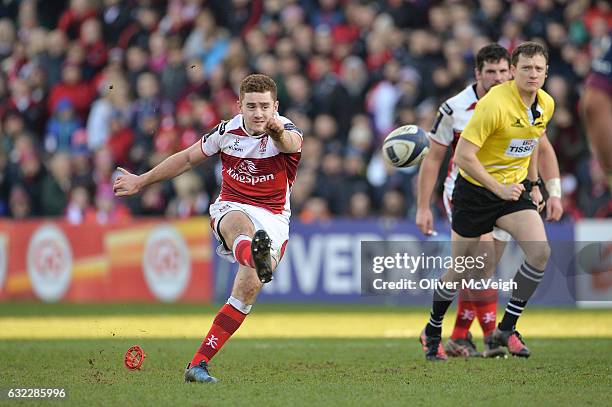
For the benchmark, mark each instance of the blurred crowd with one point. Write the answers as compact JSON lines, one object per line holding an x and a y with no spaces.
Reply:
{"x":86,"y":86}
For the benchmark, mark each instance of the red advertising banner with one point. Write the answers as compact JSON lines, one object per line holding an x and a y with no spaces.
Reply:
{"x":140,"y":260}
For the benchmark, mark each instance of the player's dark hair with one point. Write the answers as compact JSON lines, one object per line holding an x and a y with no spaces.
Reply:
{"x":528,"y":49}
{"x":258,"y":83}
{"x":491,"y":53}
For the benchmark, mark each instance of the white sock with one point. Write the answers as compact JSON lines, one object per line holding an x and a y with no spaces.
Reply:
{"x":239,"y":305}
{"x":239,"y":239}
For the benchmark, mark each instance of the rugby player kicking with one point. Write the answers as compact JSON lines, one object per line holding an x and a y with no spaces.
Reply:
{"x":260,"y":151}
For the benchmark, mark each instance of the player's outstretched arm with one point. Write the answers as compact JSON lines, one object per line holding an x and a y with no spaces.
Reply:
{"x":548,"y":165}
{"x":428,"y":174}
{"x":465,"y":158}
{"x":286,"y":141}
{"x":130,"y":184}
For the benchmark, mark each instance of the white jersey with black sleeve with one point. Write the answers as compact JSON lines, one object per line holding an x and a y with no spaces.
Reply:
{"x":453,"y":116}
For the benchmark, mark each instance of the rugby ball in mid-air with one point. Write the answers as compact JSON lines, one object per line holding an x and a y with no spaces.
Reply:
{"x":405,"y":146}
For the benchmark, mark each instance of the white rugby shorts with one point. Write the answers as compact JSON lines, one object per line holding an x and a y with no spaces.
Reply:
{"x":276,"y":225}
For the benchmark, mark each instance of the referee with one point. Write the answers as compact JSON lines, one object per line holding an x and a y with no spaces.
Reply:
{"x":498,"y":186}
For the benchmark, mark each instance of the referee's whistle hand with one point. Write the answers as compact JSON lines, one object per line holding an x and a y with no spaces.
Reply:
{"x":510,"y":192}
{"x":537,"y":199}
{"x":554,"y":209}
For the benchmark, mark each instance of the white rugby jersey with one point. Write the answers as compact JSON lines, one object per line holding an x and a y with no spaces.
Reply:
{"x":254,"y":171}
{"x":453,"y":116}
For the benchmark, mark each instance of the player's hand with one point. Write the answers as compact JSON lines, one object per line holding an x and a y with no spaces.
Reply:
{"x":424,"y":220}
{"x":537,"y":198}
{"x":127,"y":183}
{"x":554,"y":209}
{"x":274,"y":128}
{"x":510,"y":192}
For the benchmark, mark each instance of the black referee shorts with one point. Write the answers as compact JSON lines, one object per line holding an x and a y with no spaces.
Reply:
{"x":476,"y":209}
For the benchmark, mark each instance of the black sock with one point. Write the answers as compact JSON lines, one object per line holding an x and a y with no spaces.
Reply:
{"x":514,"y":309}
{"x":442,"y":299}
{"x":527,"y":279}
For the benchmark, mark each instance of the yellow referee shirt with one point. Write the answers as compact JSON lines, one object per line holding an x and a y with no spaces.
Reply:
{"x":507,"y":131}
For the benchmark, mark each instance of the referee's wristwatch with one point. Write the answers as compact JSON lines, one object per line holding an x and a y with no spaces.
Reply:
{"x":530,"y":184}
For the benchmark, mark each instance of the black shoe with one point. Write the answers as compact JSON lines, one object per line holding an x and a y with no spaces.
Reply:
{"x":432,"y":346}
{"x":199,"y":373}
{"x":493,"y":349}
{"x":260,"y":250}
{"x":513,"y":341}
{"x":463,"y":347}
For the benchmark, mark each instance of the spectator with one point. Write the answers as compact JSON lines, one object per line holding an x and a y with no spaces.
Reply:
{"x":72,"y":18}
{"x":354,"y":171}
{"x":331,"y":185}
{"x":92,"y":41}
{"x":354,"y":78}
{"x":511,"y":35}
{"x":207,"y":42}
{"x":148,"y":100}
{"x":152,"y":202}
{"x":383,"y":97}
{"x":7,"y":37}
{"x":393,"y":206}
{"x":107,"y":210}
{"x":82,"y":171}
{"x":98,"y":121}
{"x":31,"y":174}
{"x":120,"y":140}
{"x":190,"y":200}
{"x":56,"y":186}
{"x":315,"y":210}
{"x":489,"y":17}
{"x":197,"y":85}
{"x":158,"y":44}
{"x":61,"y":127}
{"x":298,"y":94}
{"x":137,"y":33}
{"x":103,"y":170}
{"x":53,"y":57}
{"x":360,"y":206}
{"x":174,"y":74}
{"x":115,"y":18}
{"x":20,"y":203}
{"x":328,"y":94}
{"x":13,"y":127}
{"x":78,"y":205}
{"x":21,"y":100}
{"x":204,"y":28}
{"x":137,"y":61}
{"x":73,"y":88}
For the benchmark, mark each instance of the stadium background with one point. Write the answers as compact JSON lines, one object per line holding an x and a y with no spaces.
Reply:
{"x":88,"y":85}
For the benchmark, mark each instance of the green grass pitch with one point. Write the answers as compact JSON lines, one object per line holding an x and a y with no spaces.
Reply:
{"x":354,"y":356}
